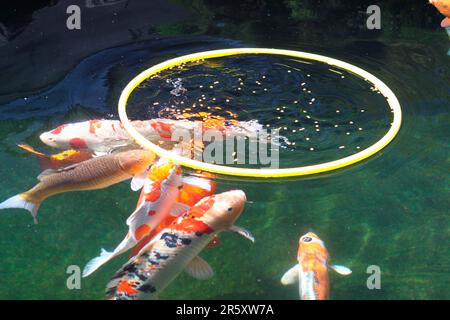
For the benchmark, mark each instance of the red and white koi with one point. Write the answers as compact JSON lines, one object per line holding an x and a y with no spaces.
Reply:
{"x":311,"y":271}
{"x":158,"y":205}
{"x":194,"y":188}
{"x":105,"y":135}
{"x":108,"y":135}
{"x":176,"y":248}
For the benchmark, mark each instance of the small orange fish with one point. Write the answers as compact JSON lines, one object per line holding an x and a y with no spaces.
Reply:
{"x":444,"y":7}
{"x":311,"y":272}
{"x":59,"y":160}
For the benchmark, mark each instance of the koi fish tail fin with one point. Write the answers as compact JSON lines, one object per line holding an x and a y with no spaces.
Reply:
{"x":105,"y":256}
{"x":20,"y":201}
{"x":97,"y":262}
{"x":44,"y":160}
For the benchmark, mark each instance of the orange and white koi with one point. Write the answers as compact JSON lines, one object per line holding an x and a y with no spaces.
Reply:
{"x":176,"y":248}
{"x":444,"y":7}
{"x":95,"y":173}
{"x":109,"y":135}
{"x":311,"y":272}
{"x":156,"y":202}
{"x":194,"y":188}
{"x":60,"y":160}
{"x":158,"y":205}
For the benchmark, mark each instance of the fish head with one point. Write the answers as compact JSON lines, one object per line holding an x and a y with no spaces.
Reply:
{"x":55,"y":139}
{"x":311,"y":244}
{"x":225,"y":209}
{"x":67,"y":136}
{"x":136,"y":161}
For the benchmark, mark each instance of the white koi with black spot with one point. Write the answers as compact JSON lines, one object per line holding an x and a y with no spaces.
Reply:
{"x":176,"y":248}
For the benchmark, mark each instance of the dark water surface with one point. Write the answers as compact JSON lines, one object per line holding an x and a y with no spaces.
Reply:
{"x":390,"y":211}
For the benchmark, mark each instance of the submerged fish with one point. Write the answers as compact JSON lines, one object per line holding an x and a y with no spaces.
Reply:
{"x":311,"y":272}
{"x":110,"y":135}
{"x":60,"y":160}
{"x":176,"y":248}
{"x":95,"y":173}
{"x":156,"y":202}
{"x":102,"y":135}
{"x":193,"y":189}
{"x":158,"y":205}
{"x":444,"y":7}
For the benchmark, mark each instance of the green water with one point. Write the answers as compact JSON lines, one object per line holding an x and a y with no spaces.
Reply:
{"x":390,"y":211}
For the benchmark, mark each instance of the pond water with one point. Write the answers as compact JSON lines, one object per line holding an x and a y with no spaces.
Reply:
{"x":390,"y":210}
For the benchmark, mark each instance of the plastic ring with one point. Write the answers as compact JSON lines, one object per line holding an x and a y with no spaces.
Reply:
{"x":262,"y":173}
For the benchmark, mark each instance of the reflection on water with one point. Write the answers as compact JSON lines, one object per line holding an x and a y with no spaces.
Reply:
{"x":391,"y":210}
{"x":324,"y":113}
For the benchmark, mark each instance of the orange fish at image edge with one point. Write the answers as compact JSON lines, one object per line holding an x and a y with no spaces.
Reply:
{"x":444,"y":7}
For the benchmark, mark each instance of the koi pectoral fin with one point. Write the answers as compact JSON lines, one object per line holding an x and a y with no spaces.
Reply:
{"x":243,"y":232}
{"x":138,"y":181}
{"x":445,"y":23}
{"x":199,"y":269}
{"x":291,"y":276}
{"x":343,"y":271}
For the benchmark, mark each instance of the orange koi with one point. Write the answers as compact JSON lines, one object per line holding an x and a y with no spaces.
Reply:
{"x":311,"y":272}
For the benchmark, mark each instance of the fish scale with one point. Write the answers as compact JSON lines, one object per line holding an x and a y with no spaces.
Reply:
{"x":174,"y":266}
{"x":86,"y":175}
{"x":168,"y":269}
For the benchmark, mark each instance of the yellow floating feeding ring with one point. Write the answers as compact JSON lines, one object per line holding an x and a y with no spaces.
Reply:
{"x":262,"y":173}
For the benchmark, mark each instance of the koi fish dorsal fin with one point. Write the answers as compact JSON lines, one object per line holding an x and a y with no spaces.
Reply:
{"x":199,"y":269}
{"x":49,"y":172}
{"x":46,"y":173}
{"x":291,"y":276}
